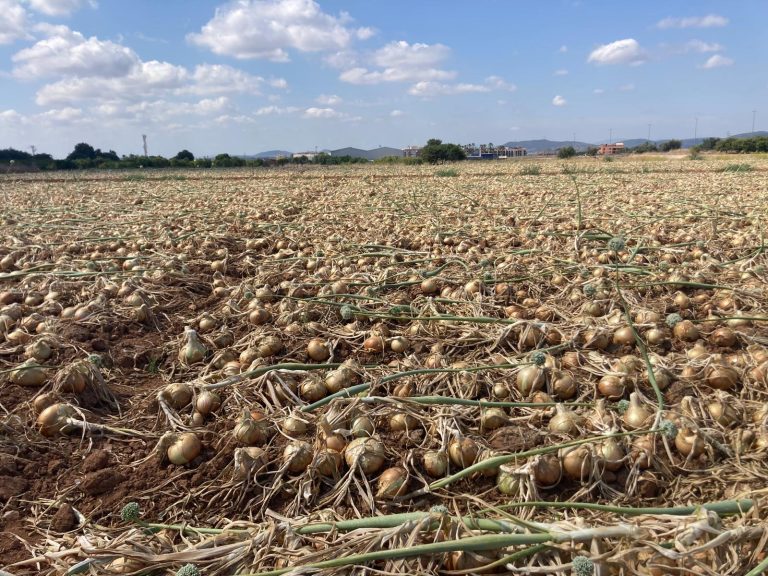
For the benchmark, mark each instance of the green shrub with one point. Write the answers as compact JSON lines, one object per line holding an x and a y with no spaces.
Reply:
{"x":447,"y":173}
{"x":737,"y":168}
{"x":530,"y":170}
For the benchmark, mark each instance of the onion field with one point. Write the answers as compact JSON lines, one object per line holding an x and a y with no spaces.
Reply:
{"x":511,"y":367}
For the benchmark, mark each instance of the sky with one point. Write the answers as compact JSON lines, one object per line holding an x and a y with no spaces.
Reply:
{"x":251,"y":75}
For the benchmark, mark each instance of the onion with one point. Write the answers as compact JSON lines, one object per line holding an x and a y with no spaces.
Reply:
{"x":399,"y":345}
{"x":177,"y":395}
{"x":54,"y":419}
{"x":249,"y":461}
{"x":374,"y":344}
{"x":723,"y":413}
{"x":463,"y":452}
{"x":207,"y":402}
{"x":297,"y":456}
{"x":436,"y":463}
{"x":723,"y":337}
{"x":563,"y":385}
{"x":40,"y":350}
{"x":492,"y":418}
{"x":335,"y":441}
{"x":368,"y":453}
{"x":722,"y":377}
{"x":636,"y":415}
{"x":577,"y":462}
{"x":28,"y":373}
{"x":393,"y":482}
{"x":546,"y":470}
{"x":686,"y":331}
{"x":401,"y":421}
{"x":612,"y":387}
{"x":362,"y":426}
{"x":193,"y":350}
{"x":269,"y":346}
{"x":259,"y":316}
{"x":317,"y":350}
{"x":642,"y":451}
{"x":611,"y":454}
{"x":565,"y":421}
{"x":184,"y":449}
{"x":41,"y":402}
{"x":250,"y":431}
{"x":689,"y":443}
{"x":624,"y":336}
{"x":430,"y":286}
{"x":294,"y":426}
{"x":328,"y":462}
{"x":73,"y":378}
{"x":529,"y":379}
{"x":312,"y":390}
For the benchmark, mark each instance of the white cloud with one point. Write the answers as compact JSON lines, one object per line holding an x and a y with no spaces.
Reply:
{"x":396,"y":113}
{"x":701,"y":46}
{"x":321,"y":113}
{"x":280,"y":83}
{"x":275,"y":110}
{"x":561,"y":72}
{"x":559,"y":101}
{"x":13,"y":22}
{"x":342,"y":59}
{"x":59,"y":7}
{"x":429,"y":89}
{"x":598,"y":91}
{"x":365,"y":33}
{"x":237,"y":119}
{"x":708,"y":21}
{"x":717,"y":61}
{"x":268,"y":28}
{"x":328,"y":99}
{"x":208,"y":106}
{"x":563,"y":49}
{"x":145,"y":80}
{"x":68,"y":53}
{"x":61,"y":116}
{"x":627,"y":87}
{"x":220,"y":78}
{"x":627,"y":51}
{"x":402,"y":62}
{"x":498,"y":83}
{"x":11,"y":118}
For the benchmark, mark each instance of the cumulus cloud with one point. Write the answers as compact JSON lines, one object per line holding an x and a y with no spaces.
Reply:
{"x":559,"y":101}
{"x":275,"y":110}
{"x":59,"y":7}
{"x":13,"y":22}
{"x":563,"y":49}
{"x":396,"y":113}
{"x":321,"y":113}
{"x":498,"y":83}
{"x":708,"y":21}
{"x":67,"y":52}
{"x":402,"y":62}
{"x":626,"y":51}
{"x":328,"y":99}
{"x":598,"y":91}
{"x":267,"y":29}
{"x":717,"y":61}
{"x":427,"y":89}
{"x":701,"y":46}
{"x":11,"y":117}
{"x":220,"y":78}
{"x":61,"y":116}
{"x":561,"y":72}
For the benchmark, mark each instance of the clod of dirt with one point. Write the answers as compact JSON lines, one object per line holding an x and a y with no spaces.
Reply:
{"x":102,"y":481}
{"x":96,"y":460}
{"x":64,"y":519}
{"x":11,"y":487}
{"x":514,"y":439}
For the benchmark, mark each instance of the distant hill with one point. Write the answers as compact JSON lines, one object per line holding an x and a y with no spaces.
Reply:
{"x":539,"y":146}
{"x":270,"y":154}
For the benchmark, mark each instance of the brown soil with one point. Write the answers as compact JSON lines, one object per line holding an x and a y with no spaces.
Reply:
{"x":64,"y":519}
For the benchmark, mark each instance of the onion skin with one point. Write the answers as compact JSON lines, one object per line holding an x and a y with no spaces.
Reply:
{"x":53,"y":420}
{"x":463,"y":452}
{"x":184,"y":449}
{"x":368,"y":453}
{"x":393,"y":482}
{"x":436,"y":463}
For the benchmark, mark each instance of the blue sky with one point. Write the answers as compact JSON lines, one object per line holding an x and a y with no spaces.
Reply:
{"x":252,"y":75}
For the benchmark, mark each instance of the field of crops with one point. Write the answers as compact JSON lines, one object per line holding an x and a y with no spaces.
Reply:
{"x":526,"y":367}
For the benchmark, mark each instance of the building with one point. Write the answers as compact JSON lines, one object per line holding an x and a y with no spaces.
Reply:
{"x":308,"y":155}
{"x":610,"y":149}
{"x":411,"y":151}
{"x":490,"y":152}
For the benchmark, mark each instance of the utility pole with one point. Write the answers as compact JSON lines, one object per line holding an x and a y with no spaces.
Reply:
{"x":754,"y":113}
{"x":144,"y":139}
{"x":695,"y":130}
{"x":34,"y":148}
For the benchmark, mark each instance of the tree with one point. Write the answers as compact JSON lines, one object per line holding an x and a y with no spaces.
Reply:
{"x":566,"y":152}
{"x":592,"y":151}
{"x":435,"y":151}
{"x":82,"y":151}
{"x":671,"y":145}
{"x":645,"y":147}
{"x":184,"y":155}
